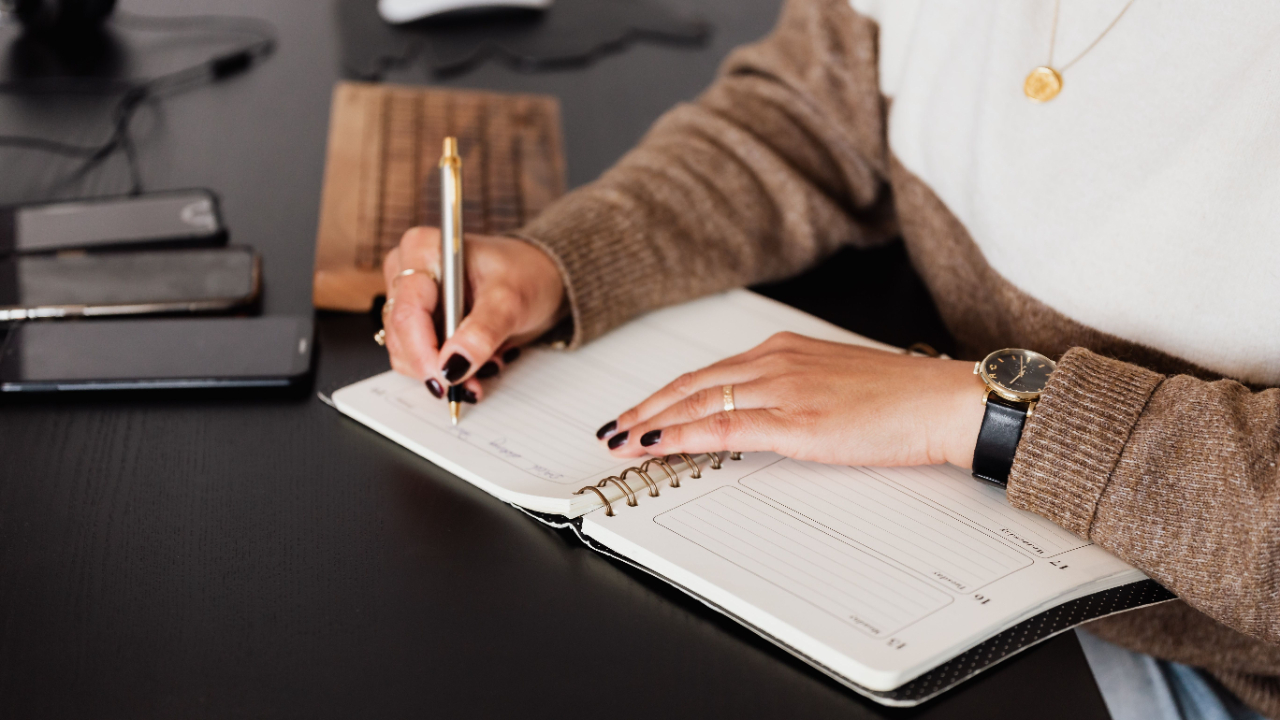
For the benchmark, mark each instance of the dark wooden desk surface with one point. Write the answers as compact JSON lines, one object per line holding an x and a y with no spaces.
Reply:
{"x":231,"y":557}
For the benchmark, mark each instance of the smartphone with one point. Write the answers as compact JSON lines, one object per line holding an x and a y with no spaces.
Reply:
{"x":163,"y":353}
{"x":172,"y":218}
{"x":128,"y":283}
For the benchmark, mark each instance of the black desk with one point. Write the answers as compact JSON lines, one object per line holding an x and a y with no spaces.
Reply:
{"x":237,"y":558}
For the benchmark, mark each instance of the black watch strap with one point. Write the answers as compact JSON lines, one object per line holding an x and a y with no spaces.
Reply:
{"x":998,"y":439}
{"x":8,"y":229}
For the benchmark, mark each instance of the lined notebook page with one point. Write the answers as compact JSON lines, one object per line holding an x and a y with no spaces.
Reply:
{"x":877,"y":573}
{"x":532,"y":440}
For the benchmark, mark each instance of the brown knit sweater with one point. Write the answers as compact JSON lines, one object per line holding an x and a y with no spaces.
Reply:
{"x":783,"y":160}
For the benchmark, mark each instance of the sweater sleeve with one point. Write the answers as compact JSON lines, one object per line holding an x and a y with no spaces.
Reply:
{"x":1178,"y":476}
{"x":779,"y":163}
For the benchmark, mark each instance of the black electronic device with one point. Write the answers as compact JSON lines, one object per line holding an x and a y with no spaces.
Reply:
{"x":159,"y":219}
{"x":63,"y":15}
{"x":167,"y":353}
{"x":128,"y":283}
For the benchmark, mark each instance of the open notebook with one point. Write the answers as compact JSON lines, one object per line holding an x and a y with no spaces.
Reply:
{"x":897,"y":582}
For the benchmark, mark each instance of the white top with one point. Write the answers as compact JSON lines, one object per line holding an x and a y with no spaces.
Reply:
{"x":1143,"y":200}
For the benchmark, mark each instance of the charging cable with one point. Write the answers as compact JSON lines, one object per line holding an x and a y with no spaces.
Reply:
{"x":259,"y":43}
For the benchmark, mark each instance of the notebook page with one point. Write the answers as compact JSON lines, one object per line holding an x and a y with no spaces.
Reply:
{"x":532,"y":440}
{"x":877,"y":573}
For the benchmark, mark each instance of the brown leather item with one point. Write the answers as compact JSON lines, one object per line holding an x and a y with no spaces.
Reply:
{"x":380,"y":174}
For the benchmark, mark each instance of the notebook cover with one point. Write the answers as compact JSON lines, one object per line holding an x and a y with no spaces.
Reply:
{"x":942,"y":678}
{"x":949,"y":674}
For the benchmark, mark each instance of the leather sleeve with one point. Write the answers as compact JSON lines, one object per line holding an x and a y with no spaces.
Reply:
{"x":778,"y":164}
{"x":1174,"y":474}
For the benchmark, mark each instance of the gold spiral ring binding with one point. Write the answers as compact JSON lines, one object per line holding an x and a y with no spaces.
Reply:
{"x":672,"y":477}
{"x":631,"y":496}
{"x":608,"y":508}
{"x":648,"y":481}
{"x":684,"y":457}
{"x":643,"y":471}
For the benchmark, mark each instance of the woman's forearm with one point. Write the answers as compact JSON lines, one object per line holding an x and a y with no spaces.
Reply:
{"x":780,"y":162}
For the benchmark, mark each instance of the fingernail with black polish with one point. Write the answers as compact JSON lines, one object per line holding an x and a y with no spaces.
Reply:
{"x":469,"y":397}
{"x":487,"y":370}
{"x":456,"y":368}
{"x":618,"y":440}
{"x":511,"y":355}
{"x":651,"y":438}
{"x":606,"y":429}
{"x":435,"y":388}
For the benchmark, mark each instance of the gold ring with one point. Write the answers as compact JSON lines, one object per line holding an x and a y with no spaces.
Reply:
{"x":414,"y":271}
{"x":728,"y":398}
{"x":380,"y":337}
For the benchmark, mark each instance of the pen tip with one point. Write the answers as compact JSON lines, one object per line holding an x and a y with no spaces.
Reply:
{"x":453,"y":412}
{"x":451,"y":147}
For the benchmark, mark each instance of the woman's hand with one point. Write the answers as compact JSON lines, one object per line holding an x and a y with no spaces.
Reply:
{"x":813,"y":400}
{"x":516,"y":295}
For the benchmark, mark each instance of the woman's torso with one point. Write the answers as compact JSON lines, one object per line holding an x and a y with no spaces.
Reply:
{"x":1136,"y":212}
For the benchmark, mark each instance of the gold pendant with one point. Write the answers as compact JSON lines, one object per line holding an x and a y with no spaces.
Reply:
{"x":1043,"y":84}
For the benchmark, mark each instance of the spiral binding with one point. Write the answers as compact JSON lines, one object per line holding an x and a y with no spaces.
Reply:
{"x":642,"y":471}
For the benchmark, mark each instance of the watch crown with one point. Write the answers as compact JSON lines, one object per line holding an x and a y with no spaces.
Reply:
{"x":977,"y":367}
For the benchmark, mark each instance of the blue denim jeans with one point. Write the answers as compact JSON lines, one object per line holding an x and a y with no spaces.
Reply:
{"x":1140,"y":687}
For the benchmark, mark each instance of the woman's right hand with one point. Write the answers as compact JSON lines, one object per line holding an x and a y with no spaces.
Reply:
{"x":515,"y":294}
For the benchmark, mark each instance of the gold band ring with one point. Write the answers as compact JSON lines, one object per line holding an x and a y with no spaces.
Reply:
{"x":414,"y":271}
{"x":391,"y":298}
{"x":727,"y":391}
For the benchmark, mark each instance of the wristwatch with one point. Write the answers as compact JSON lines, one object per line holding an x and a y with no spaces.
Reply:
{"x":1014,"y":378}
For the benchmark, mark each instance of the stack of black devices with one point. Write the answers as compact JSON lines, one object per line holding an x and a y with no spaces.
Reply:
{"x":104,"y":294}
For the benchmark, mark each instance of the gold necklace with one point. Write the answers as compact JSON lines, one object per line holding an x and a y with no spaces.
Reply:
{"x":1045,"y":82}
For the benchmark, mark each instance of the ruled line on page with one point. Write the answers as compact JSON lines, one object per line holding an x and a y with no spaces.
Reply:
{"x":541,"y":415}
{"x":983,"y":505}
{"x":811,"y":564}
{"x":865,"y":509}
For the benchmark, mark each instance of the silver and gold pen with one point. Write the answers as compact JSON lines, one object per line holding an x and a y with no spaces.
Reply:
{"x":453,"y":278}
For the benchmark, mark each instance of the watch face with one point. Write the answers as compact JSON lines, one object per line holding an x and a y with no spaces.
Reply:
{"x":1017,"y":374}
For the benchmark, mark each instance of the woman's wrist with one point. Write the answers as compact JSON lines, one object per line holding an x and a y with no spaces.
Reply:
{"x":961,"y":419}
{"x":547,"y":281}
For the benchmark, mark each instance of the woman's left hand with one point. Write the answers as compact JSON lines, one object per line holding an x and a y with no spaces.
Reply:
{"x":813,"y":400}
